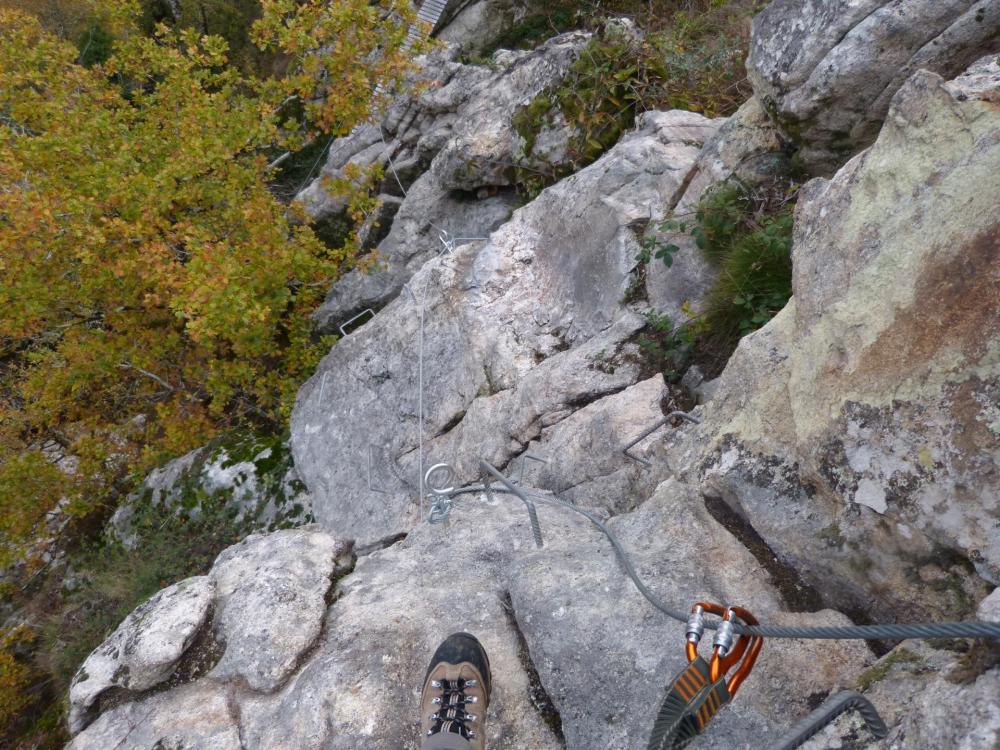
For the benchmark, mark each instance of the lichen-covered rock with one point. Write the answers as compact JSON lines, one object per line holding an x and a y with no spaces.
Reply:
{"x":270,"y":599}
{"x":144,"y":649}
{"x":928,"y":698}
{"x":858,"y":431}
{"x":253,"y":476}
{"x":511,"y":330}
{"x":827,"y":71}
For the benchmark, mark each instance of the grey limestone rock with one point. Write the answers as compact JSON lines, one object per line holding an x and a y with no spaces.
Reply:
{"x":827,"y":71}
{"x":270,"y":599}
{"x":584,"y":462}
{"x":747,"y":147}
{"x":928,"y":698}
{"x":480,"y":152}
{"x":458,"y":108}
{"x":460,"y":124}
{"x":511,"y":328}
{"x":605,"y":655}
{"x":475,"y":25}
{"x":144,"y":649}
{"x":429,"y":219}
{"x":560,"y":623}
{"x":198,"y":716}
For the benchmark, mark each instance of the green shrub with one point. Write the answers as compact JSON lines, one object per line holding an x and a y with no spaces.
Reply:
{"x":746,"y":236}
{"x":666,"y":346}
{"x":755,"y":279}
{"x":687,"y":58}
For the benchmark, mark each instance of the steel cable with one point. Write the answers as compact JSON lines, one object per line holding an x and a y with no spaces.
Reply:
{"x":968,"y":629}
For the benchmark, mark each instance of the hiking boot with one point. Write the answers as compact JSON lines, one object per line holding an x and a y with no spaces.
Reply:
{"x":456,"y":695}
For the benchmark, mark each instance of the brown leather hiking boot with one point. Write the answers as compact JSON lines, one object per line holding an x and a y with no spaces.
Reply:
{"x":456,"y":695}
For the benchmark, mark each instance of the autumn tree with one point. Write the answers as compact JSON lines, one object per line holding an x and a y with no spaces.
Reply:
{"x":153,"y":292}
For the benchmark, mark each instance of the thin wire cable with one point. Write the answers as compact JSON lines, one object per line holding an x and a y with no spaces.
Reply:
{"x":968,"y":629}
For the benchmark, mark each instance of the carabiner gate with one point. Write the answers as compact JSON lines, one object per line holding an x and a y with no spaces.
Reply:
{"x":695,"y":695}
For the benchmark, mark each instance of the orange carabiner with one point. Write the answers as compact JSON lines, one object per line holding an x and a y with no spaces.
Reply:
{"x":743,"y":654}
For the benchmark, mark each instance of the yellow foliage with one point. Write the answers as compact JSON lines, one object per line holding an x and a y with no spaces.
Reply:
{"x":154,"y":291}
{"x":15,"y":676}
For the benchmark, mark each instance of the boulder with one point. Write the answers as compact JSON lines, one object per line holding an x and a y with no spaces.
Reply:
{"x":144,"y":649}
{"x":828,"y":71}
{"x":475,"y":25}
{"x":197,"y":715}
{"x":480,"y":152}
{"x":510,"y":331}
{"x":271,"y":595}
{"x":858,"y":430}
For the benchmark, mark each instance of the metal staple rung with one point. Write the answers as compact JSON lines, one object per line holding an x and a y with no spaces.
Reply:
{"x":833,"y":707}
{"x":367,"y":311}
{"x":654,"y":428}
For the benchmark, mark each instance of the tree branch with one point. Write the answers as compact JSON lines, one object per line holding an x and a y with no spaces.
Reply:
{"x":148,"y":374}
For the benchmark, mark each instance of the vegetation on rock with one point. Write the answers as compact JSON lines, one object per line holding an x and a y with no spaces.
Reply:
{"x":745,"y":234}
{"x":686,"y":58}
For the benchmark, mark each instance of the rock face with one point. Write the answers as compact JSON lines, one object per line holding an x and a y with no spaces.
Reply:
{"x":848,"y":456}
{"x":144,"y":649}
{"x":827,"y":71}
{"x":512,"y":333}
{"x":270,"y":598}
{"x":929,"y":698}
{"x":555,"y":621}
{"x":858,"y":431}
{"x":447,"y":153}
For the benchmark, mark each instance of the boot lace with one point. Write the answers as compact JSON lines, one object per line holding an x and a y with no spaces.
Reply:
{"x":452,"y":716}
